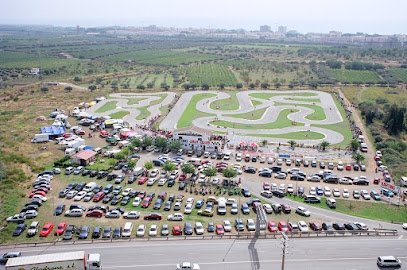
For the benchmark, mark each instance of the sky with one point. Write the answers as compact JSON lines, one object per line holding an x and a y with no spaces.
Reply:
{"x":347,"y":16}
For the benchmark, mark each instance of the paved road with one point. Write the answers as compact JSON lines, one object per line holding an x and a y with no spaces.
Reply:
{"x":332,"y":116}
{"x":323,"y":253}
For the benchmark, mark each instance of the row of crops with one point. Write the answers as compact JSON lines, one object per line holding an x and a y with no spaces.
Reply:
{"x":211,"y":74}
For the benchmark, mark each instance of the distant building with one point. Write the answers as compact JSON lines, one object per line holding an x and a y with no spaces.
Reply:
{"x":84,"y":157}
{"x":282,"y":30}
{"x":198,"y":139}
{"x":265,"y":28}
{"x":35,"y":71}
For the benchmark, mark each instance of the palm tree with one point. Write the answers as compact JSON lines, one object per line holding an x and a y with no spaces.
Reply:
{"x":292,"y":144}
{"x":354,"y":145}
{"x":358,"y":157}
{"x":324,"y":144}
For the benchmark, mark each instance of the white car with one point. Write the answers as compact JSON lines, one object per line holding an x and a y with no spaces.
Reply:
{"x":162,"y":181}
{"x":188,"y":266}
{"x":151,"y":181}
{"x":153,"y":230}
{"x":345,"y":193}
{"x":327,"y":192}
{"x":227,"y":226}
{"x":175,"y":217}
{"x":131,"y":215}
{"x":280,"y":175}
{"x":80,"y":196}
{"x":313,"y":191}
{"x":199,"y":229}
{"x":39,"y":197}
{"x":251,"y":226}
{"x":288,"y":162}
{"x":303,"y":226}
{"x":136,"y":201}
{"x":31,"y":214}
{"x":302,"y":211}
{"x":154,"y":173}
{"x":127,"y":191}
{"x":141,"y":230}
{"x":404,"y":226}
{"x":71,"y":194}
{"x":362,"y":226}
{"x":365,"y":194}
{"x":314,"y":178}
{"x":339,"y":166}
{"x":190,"y":200}
{"x":267,"y":208}
{"x":336,"y":192}
{"x":262,"y":159}
{"x":270,"y":160}
{"x":345,"y":181}
{"x":290,"y":188}
{"x":188,"y":209}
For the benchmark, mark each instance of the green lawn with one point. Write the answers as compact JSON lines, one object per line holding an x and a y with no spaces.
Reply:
{"x":272,"y":94}
{"x":108,"y":106}
{"x":352,"y":76}
{"x":253,"y":115}
{"x":342,"y":127}
{"x":190,"y":113}
{"x":256,"y":102}
{"x":228,"y":104}
{"x":119,"y":114}
{"x":299,"y":135}
{"x":315,"y":100}
{"x":281,"y":122}
{"x":133,"y":101}
{"x":144,"y":113}
{"x":318,"y":113}
{"x":364,"y":209}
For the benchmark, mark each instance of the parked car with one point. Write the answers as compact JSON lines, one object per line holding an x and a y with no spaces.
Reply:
{"x":11,"y":254}
{"x":47,"y":229}
{"x":19,"y":229}
{"x":303,"y":211}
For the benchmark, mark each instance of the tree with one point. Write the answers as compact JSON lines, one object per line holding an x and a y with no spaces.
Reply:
{"x":324,"y":144}
{"x":358,"y":157}
{"x":264,"y":142}
{"x":205,"y":86}
{"x":131,"y":163}
{"x":161,"y":142}
{"x":68,"y":88}
{"x":148,"y":165}
{"x":264,"y":85}
{"x":92,"y":87}
{"x":221,"y":86}
{"x":169,"y":166}
{"x":277,"y":85}
{"x":252,"y":85}
{"x":229,"y":172}
{"x":77,"y":79}
{"x":140,"y":87}
{"x":239,"y":86}
{"x":188,"y":168}
{"x":147,"y":141}
{"x":354,"y":145}
{"x":394,"y":122}
{"x":135,"y":142}
{"x":209,"y":172}
{"x":292,"y":144}
{"x":175,"y":145}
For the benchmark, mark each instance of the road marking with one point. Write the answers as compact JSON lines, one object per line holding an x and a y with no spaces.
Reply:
{"x":247,"y":262}
{"x":400,"y":237}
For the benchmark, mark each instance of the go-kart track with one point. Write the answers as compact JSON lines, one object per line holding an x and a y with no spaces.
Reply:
{"x":277,"y":116}
{"x":274,"y":103}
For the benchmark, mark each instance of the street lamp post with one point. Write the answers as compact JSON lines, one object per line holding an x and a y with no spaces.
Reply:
{"x":283,"y":247}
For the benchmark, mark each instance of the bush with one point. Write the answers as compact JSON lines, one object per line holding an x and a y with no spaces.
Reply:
{"x":378,"y":138}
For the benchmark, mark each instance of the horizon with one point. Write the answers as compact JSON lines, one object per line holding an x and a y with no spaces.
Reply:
{"x":318,"y":16}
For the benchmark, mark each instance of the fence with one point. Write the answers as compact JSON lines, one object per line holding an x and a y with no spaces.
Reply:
{"x":240,"y":236}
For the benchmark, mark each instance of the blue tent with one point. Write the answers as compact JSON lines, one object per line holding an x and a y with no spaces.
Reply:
{"x":88,"y":147}
{"x":54,"y":131}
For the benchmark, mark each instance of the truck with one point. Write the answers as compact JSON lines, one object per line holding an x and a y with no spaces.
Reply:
{"x":67,"y":260}
{"x":39,"y":138}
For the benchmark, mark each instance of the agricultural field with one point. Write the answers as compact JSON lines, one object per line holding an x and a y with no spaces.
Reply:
{"x":399,"y":73}
{"x":364,"y":94}
{"x":212,"y":74}
{"x":354,"y":76}
{"x":28,"y":61}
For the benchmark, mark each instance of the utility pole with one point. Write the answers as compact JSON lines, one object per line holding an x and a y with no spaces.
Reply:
{"x":283,"y":247}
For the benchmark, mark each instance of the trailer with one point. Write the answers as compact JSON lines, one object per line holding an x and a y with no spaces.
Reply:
{"x":68,"y":260}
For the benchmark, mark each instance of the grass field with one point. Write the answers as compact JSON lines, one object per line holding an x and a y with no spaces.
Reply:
{"x":281,"y":122}
{"x":253,"y":115}
{"x":190,"y":113}
{"x":317,"y":115}
{"x":399,"y":73}
{"x":25,"y":60}
{"x":119,"y":114}
{"x":108,"y":106}
{"x":144,"y":113}
{"x":364,"y":209}
{"x":228,"y":104}
{"x":300,"y":135}
{"x":358,"y":94}
{"x":212,"y":74}
{"x":353,"y":76}
{"x":267,"y":96}
{"x":133,"y":101}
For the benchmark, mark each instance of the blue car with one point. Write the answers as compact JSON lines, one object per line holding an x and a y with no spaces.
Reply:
{"x":387,"y":193}
{"x":320,"y":191}
{"x":199,"y":204}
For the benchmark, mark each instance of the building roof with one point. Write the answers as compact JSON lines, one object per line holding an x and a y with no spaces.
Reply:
{"x":193,"y":130}
{"x":53,"y":130}
{"x":85,"y":154}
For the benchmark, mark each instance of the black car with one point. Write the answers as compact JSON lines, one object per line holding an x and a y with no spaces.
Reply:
{"x":80,"y":186}
{"x":69,"y":232}
{"x":276,"y":169}
{"x":131,"y":179}
{"x":211,"y":227}
{"x":254,"y":159}
{"x":85,"y":172}
{"x":99,"y":207}
{"x":133,"y":193}
{"x":351,"y":227}
{"x":19,"y":230}
{"x":361,"y":182}
{"x":97,"y":231}
{"x":328,"y":227}
{"x":188,"y":230}
{"x":108,"y":198}
{"x":338,"y":226}
{"x":93,"y":173}
{"x":59,"y":209}
{"x":4,"y":258}
{"x":167,"y":206}
{"x":157,"y":204}
{"x":71,"y":186}
{"x":170,"y":182}
{"x":125,"y":200}
{"x":246,"y":192}
{"x":278,"y":193}
{"x":63,"y":193}
{"x":84,"y":232}
{"x":251,"y":170}
{"x":108,"y":188}
{"x":300,"y":191}
{"x":265,"y":174}
{"x":107,"y":232}
{"x":117,"y":233}
{"x":101,"y":174}
{"x":311,"y":199}
{"x":297,"y":177}
{"x":111,"y":176}
{"x":77,"y":206}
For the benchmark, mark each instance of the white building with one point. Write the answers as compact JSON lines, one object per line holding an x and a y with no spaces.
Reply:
{"x":198,"y":139}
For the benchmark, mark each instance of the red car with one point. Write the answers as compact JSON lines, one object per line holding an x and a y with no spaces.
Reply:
{"x":67,"y":135}
{"x":146,"y":202}
{"x":142,"y":194}
{"x":182,"y":177}
{"x":47,"y":229}
{"x":103,"y":133}
{"x":142,"y":180}
{"x":219,"y":229}
{"x":176,"y":230}
{"x":266,"y":186}
{"x":79,"y":132}
{"x":348,"y":167}
{"x":95,"y":213}
{"x":272,"y":227}
{"x":61,"y":228}
{"x":42,"y":193}
{"x":315,"y":226}
{"x":42,"y":189}
{"x":153,"y":216}
{"x":99,"y":196}
{"x":282,"y":226}
{"x":376,"y":181}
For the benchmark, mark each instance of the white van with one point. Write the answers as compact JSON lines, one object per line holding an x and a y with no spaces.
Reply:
{"x":70,"y":151}
{"x":403,"y":181}
{"x":138,"y":171}
{"x":33,"y":229}
{"x":222,"y":208}
{"x":89,"y":187}
{"x":388,"y":261}
{"x":226,"y":156}
{"x":69,"y":170}
{"x":128,"y":228}
{"x":363,"y":147}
